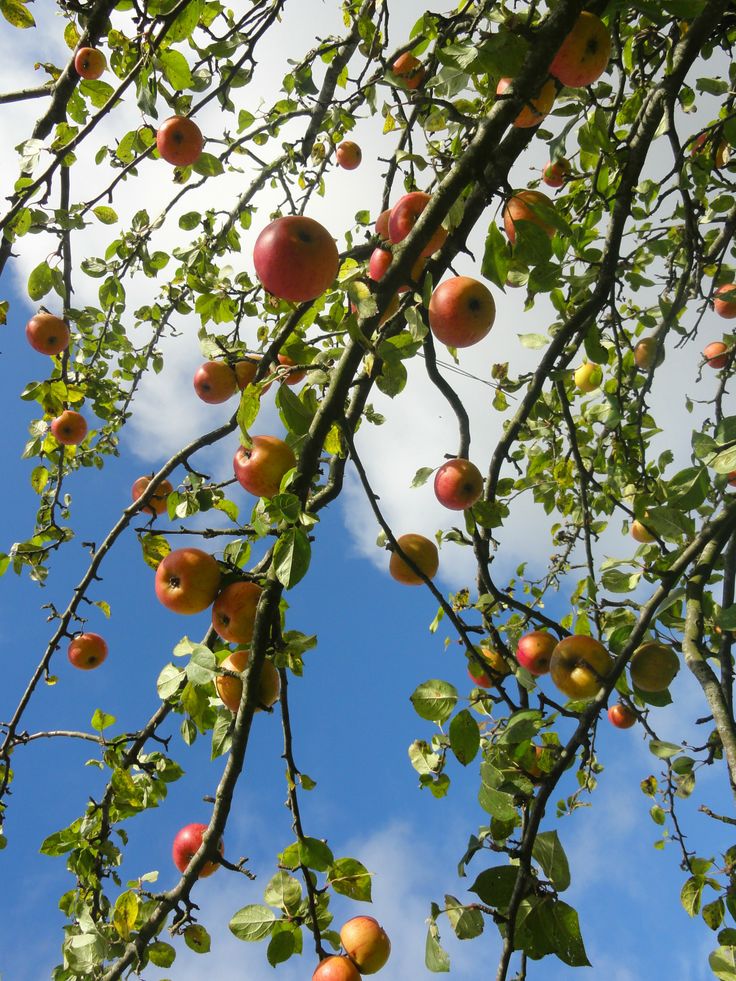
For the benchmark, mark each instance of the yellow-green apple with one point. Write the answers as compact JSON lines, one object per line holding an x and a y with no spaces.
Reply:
{"x":348,"y":155}
{"x":382,"y":224}
{"x":409,"y":69}
{"x":186,"y":845}
{"x":529,"y":206}
{"x":230,"y":689}
{"x":621,"y":716}
{"x":588,"y":377}
{"x":215,"y":382}
{"x":724,"y":301}
{"x":234,"y":611}
{"x":179,"y":141}
{"x":89,"y":63}
{"x":716,"y":354}
{"x":404,"y":216}
{"x":290,"y":377}
{"x":497,"y":668}
{"x":187,"y":580}
{"x":422,"y":552}
{"x":536,"y":108}
{"x":534,"y":651}
{"x":366,"y":943}
{"x":556,"y":172}
{"x":296,"y":258}
{"x":47,"y":334}
{"x":461,"y":311}
{"x":640,"y":532}
{"x":579,"y":666}
{"x":69,"y":428}
{"x":87,"y":651}
{"x":582,"y":57}
{"x":653,"y":666}
{"x":260,"y":467}
{"x":157,"y":501}
{"x":458,"y":484}
{"x":646,"y":355}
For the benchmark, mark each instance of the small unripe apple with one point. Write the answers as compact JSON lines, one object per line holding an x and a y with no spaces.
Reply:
{"x":366,"y":943}
{"x":230,"y":689}
{"x":179,"y":141}
{"x":348,"y":155}
{"x":461,"y":311}
{"x":89,"y":63}
{"x":588,"y":377}
{"x":579,"y":666}
{"x":47,"y":334}
{"x":653,"y":667}
{"x":534,"y":651}
{"x":215,"y":382}
{"x":423,"y":554}
{"x":187,"y":843}
{"x":409,"y":69}
{"x":261,"y":467}
{"x":69,"y":428}
{"x":187,"y":580}
{"x":458,"y":484}
{"x":157,"y":501}
{"x":87,"y":651}
{"x":621,"y":716}
{"x":234,"y":611}
{"x":556,"y":172}
{"x":640,"y":532}
{"x":536,"y":108}
{"x":716,"y":354}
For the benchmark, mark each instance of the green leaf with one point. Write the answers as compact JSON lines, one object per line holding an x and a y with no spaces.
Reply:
{"x":185,"y":23}
{"x":280,"y":947}
{"x":201,"y":669}
{"x":294,"y":413}
{"x":691,"y":894}
{"x":713,"y":913}
{"x":284,"y":892}
{"x":161,"y":954}
{"x":663,"y":750}
{"x":422,"y":758}
{"x":169,"y":681}
{"x":494,"y":802}
{"x":464,"y":737}
{"x":40,"y":282}
{"x":197,"y":938}
{"x":533,"y":341}
{"x":311,"y":852}
{"x":176,"y":69}
{"x":252,"y":923}
{"x":101,"y":720}
{"x":549,"y":926}
{"x":436,"y":959}
{"x":16,"y":13}
{"x":549,"y":853}
{"x":250,"y":404}
{"x":723,"y":963}
{"x":467,"y":923}
{"x":350,"y":878}
{"x":291,"y":556}
{"x":496,"y":256}
{"x":108,"y":216}
{"x":155,"y":548}
{"x":434,"y":700}
{"x":495,"y":886}
{"x":422,"y":476}
{"x":689,"y":488}
{"x":207,"y":165}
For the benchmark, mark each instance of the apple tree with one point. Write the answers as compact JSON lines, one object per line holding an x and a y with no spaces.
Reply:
{"x":619,"y":254}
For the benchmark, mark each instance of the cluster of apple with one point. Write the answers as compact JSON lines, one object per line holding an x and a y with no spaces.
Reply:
{"x":50,"y":335}
{"x":217,"y":381}
{"x":367,"y":948}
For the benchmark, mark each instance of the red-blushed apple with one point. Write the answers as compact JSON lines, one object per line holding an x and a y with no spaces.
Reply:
{"x":582,"y":57}
{"x":215,"y":382}
{"x":529,"y":206}
{"x":157,"y":501}
{"x":230,"y":689}
{"x":87,"y":651}
{"x":69,"y":428}
{"x":381,"y":259}
{"x":534,"y":651}
{"x":409,"y":69}
{"x":731,"y":478}
{"x":579,"y":666}
{"x":186,"y":845}
{"x":646,"y":354}
{"x":461,"y":311}
{"x":458,"y":484}
{"x":404,"y":216}
{"x":366,"y":943}
{"x":724,"y":301}
{"x":187,"y":580}
{"x":382,"y":224}
{"x":621,"y":716}
{"x":89,"y":63}
{"x":497,"y":668}
{"x":588,"y":377}
{"x":653,"y":667}
{"x":348,"y":155}
{"x":245,"y":372}
{"x":290,"y":377}
{"x":716,"y":354}
{"x":234,"y":611}
{"x":260,"y":467}
{"x":640,"y":533}
{"x":179,"y":141}
{"x":47,"y":334}
{"x":422,"y":552}
{"x":296,"y":258}
{"x":703,"y":146}
{"x":536,"y":108}
{"x":556,"y":172}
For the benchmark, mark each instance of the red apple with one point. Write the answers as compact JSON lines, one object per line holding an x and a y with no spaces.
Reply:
{"x":187,"y":580}
{"x":403,"y":218}
{"x":179,"y":141}
{"x":582,"y":57}
{"x":422,"y":552}
{"x":461,"y":311}
{"x":534,"y":651}
{"x":556,"y":172}
{"x":234,"y":611}
{"x":89,"y":63}
{"x":87,"y":651}
{"x":409,"y":69}
{"x":230,"y":689}
{"x":497,"y":668}
{"x":536,"y":108}
{"x":653,"y":667}
{"x":47,"y":334}
{"x":366,"y":943}
{"x":187,"y":843}
{"x":381,"y":259}
{"x":716,"y":354}
{"x":382,"y":224}
{"x":731,"y":478}
{"x":579,"y":666}
{"x":260,"y":468}
{"x":724,"y":301}
{"x":621,"y":716}
{"x":527,"y":206}
{"x":215,"y":382}
{"x":157,"y":501}
{"x":290,"y":377}
{"x":458,"y":484}
{"x":296,"y":258}
{"x":348,"y":155}
{"x":69,"y":428}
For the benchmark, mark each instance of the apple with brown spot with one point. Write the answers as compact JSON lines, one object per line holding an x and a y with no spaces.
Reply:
{"x":179,"y":141}
{"x":87,"y":651}
{"x":47,"y":334}
{"x":461,"y":311}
